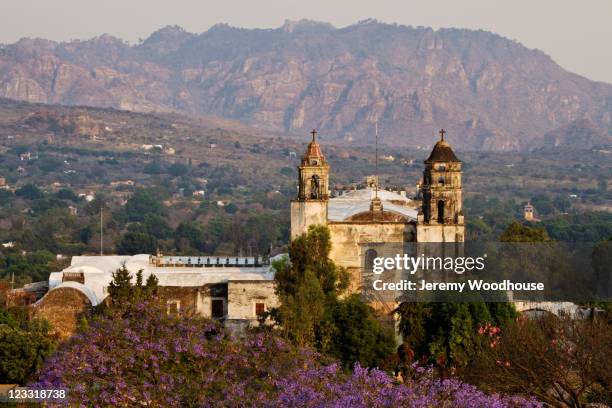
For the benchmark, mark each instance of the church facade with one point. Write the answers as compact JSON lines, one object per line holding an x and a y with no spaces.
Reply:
{"x":360,"y":221}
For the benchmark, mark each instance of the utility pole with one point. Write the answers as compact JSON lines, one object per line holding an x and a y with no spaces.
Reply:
{"x":101,"y":233}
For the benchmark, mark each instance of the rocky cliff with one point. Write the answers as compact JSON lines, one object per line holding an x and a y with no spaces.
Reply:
{"x":487,"y":91}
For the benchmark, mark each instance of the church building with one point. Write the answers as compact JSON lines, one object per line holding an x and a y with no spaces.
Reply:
{"x":362,"y":220}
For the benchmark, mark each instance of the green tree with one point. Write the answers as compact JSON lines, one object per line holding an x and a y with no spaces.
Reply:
{"x":66,"y":194}
{"x":311,"y":252}
{"x":301,"y":312}
{"x":133,"y":242}
{"x":151,"y":285}
{"x":231,"y":208}
{"x":157,"y":226}
{"x":311,"y":312}
{"x":446,"y":333}
{"x":188,"y":236}
{"x":141,"y":204}
{"x":517,"y":232}
{"x":24,"y":345}
{"x":120,"y":288}
{"x":178,"y":170}
{"x":356,"y":333}
{"x":29,"y":192}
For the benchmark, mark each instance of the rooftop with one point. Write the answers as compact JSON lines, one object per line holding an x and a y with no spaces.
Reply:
{"x":171,"y":271}
{"x":353,"y":202}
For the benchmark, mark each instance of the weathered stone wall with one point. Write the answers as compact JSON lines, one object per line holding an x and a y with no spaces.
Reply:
{"x":187,"y":296}
{"x":207,"y":294}
{"x":63,"y":308}
{"x":243,"y":295}
{"x":348,"y":239}
{"x":440,"y":233}
{"x":305,"y":214}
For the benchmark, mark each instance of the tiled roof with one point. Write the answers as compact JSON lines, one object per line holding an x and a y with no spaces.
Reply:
{"x":314,"y":151}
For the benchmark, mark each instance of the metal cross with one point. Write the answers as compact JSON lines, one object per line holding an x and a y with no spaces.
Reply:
{"x":442,"y":132}
{"x":313,"y":133}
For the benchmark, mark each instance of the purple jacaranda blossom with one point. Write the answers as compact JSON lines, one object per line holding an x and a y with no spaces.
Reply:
{"x":145,"y":358}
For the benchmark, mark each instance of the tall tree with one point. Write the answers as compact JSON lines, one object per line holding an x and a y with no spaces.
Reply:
{"x":312,"y":312}
{"x":120,"y":288}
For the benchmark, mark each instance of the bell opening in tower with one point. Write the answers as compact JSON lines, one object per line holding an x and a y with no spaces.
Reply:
{"x":441,"y":211}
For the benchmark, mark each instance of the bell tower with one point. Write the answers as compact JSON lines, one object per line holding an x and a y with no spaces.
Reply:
{"x":441,"y":216}
{"x":310,"y":206}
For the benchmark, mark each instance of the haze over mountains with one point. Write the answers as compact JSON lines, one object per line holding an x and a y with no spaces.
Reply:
{"x":489,"y":92}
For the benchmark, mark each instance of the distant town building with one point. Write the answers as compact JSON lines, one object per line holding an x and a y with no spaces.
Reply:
{"x":122,"y":183}
{"x":73,"y":210}
{"x":529,"y":212}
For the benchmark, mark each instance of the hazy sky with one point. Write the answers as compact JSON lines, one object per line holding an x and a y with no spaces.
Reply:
{"x":577,"y":34}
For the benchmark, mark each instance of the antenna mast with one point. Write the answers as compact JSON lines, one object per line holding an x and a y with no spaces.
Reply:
{"x":376,"y":160}
{"x":101,"y":233}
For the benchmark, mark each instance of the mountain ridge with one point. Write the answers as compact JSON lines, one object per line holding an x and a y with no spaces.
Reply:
{"x":489,"y":92}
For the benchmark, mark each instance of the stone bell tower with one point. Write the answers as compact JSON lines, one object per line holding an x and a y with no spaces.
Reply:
{"x":441,"y":216}
{"x":310,"y":206}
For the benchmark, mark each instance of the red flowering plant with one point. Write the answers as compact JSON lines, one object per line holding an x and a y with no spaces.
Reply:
{"x":561,"y":361}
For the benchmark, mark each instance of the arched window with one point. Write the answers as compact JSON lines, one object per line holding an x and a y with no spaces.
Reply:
{"x":441,"y":180}
{"x":441,"y":211}
{"x":370,"y":255}
{"x":314,"y":186}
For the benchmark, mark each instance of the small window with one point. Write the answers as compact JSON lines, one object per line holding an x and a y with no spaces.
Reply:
{"x":441,"y":180}
{"x":370,"y":255}
{"x":217,"y":308}
{"x":260,"y":308}
{"x":173,"y":307}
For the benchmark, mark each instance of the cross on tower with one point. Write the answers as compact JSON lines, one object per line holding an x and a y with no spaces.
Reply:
{"x":313,"y":133}
{"x":442,"y":132}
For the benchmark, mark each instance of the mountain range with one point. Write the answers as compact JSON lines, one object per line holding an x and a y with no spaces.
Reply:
{"x":488,"y":92}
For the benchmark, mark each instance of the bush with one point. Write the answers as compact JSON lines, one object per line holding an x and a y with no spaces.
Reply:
{"x":29,"y":192}
{"x":178,"y":169}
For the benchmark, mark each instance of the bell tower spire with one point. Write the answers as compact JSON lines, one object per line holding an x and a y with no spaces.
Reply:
{"x":310,"y":205}
{"x":441,"y":215}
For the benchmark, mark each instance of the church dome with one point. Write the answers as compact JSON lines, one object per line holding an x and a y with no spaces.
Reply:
{"x":442,"y":152}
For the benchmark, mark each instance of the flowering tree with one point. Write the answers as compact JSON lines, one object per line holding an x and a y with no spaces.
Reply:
{"x":562,"y":361}
{"x":144,"y":357}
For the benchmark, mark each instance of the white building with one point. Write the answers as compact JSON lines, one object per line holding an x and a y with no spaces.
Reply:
{"x":233,"y":289}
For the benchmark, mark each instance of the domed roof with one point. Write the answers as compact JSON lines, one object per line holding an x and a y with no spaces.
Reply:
{"x":442,"y":151}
